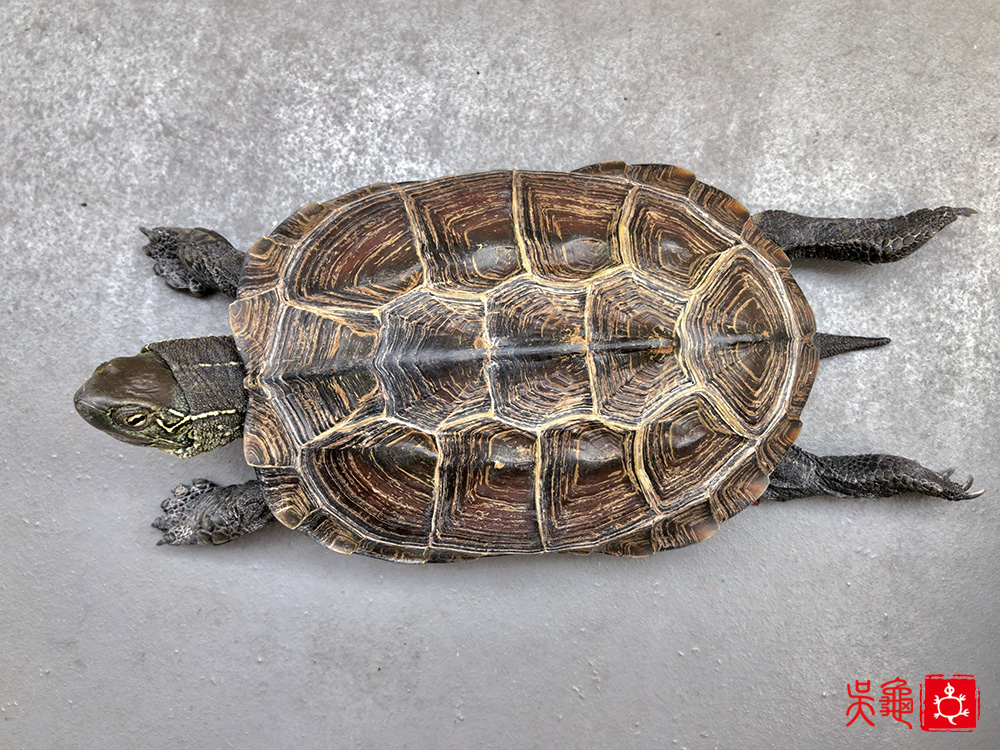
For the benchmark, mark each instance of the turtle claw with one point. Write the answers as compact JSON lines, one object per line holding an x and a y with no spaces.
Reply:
{"x":183,"y":516}
{"x":177,"y":257}
{"x":204,"y":512}
{"x":958,"y":491}
{"x":164,"y":248}
{"x":945,"y":488}
{"x":970,"y":495}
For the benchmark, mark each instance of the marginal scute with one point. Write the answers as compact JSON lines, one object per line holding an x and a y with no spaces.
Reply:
{"x":299,"y":224}
{"x":604,"y":169}
{"x":291,"y":504}
{"x":740,"y":490}
{"x":253,"y":321}
{"x":486,"y":495}
{"x":568,"y":224}
{"x":431,"y":358}
{"x":773,"y":448}
{"x":638,"y":543}
{"x":693,"y":524}
{"x":805,"y":373}
{"x":634,"y":347}
{"x":378,"y":476}
{"x":676,"y":180}
{"x":328,"y":531}
{"x":266,"y":438}
{"x":294,"y":229}
{"x":265,"y":263}
{"x":589,"y":486}
{"x":725,"y":209}
{"x":764,"y":246}
{"x":465,"y":225}
{"x":538,"y":366}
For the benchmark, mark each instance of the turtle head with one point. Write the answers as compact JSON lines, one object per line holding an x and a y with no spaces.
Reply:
{"x":183,"y":396}
{"x":137,"y":400}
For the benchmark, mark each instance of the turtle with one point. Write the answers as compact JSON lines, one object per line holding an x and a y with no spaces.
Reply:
{"x":613,"y":359}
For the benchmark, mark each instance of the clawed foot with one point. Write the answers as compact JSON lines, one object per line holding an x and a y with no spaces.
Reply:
{"x":944,"y":487}
{"x":205,"y":513}
{"x":802,"y":474}
{"x":880,"y":475}
{"x":164,"y":246}
{"x":187,"y":515}
{"x":197,"y":261}
{"x":894,"y":475}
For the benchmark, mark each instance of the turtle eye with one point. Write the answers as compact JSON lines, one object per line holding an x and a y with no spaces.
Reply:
{"x":133,"y":419}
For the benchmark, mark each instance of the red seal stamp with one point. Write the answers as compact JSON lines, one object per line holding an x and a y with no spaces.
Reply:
{"x":949,"y":704}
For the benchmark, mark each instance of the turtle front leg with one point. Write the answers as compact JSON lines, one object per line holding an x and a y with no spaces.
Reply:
{"x":205,"y":513}
{"x":801,"y":474}
{"x":856,"y":240}
{"x":197,"y":261}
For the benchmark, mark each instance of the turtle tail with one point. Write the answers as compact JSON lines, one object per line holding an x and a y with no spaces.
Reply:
{"x":830,"y":344}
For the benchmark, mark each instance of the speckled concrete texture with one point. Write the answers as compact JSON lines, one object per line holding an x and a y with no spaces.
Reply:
{"x":232,"y":114}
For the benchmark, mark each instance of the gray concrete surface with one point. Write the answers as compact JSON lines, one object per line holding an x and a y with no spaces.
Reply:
{"x":230,"y":115}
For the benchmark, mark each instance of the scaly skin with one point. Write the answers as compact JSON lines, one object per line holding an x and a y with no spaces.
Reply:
{"x":205,"y":513}
{"x":801,"y":474}
{"x":197,"y":261}
{"x":856,"y":240}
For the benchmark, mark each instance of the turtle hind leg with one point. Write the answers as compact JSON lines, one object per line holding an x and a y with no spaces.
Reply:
{"x":205,"y":513}
{"x":197,"y":261}
{"x":856,"y":240}
{"x":801,"y":474}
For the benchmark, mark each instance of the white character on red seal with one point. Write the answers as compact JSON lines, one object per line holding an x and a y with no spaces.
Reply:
{"x":949,"y":695}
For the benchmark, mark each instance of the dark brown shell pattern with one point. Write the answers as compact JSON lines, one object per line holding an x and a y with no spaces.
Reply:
{"x":612,"y":360}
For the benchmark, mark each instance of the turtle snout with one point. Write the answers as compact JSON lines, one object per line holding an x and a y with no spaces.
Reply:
{"x":105,"y":389}
{"x":80,"y":401}
{"x":90,"y":405}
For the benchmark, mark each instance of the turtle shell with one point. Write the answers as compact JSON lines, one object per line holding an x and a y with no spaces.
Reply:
{"x":612,"y":359}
